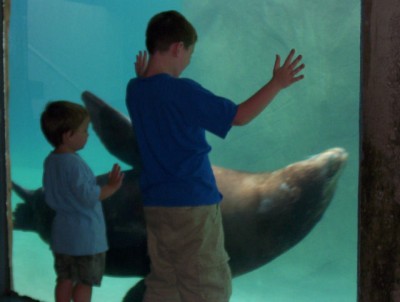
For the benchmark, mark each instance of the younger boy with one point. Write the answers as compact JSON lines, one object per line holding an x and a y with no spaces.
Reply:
{"x":181,"y":200}
{"x":78,"y":238}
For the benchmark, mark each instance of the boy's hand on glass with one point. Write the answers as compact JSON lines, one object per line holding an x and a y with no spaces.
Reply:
{"x":115,"y":177}
{"x":141,"y":63}
{"x":287,"y":74}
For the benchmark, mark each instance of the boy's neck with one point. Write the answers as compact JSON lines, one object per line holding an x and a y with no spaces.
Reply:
{"x":63,"y":149}
{"x":164,"y":62}
{"x":157,"y":66}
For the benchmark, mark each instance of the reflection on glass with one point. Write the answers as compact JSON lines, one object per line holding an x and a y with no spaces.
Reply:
{"x":58,"y":49}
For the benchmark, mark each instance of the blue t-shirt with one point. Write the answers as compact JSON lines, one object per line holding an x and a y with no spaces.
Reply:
{"x":170,"y":116}
{"x":71,"y":190}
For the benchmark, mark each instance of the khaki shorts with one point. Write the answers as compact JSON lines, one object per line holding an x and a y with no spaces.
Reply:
{"x":88,"y":270}
{"x":188,"y":258}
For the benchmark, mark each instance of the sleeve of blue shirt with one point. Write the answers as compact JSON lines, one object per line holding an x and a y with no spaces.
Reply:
{"x":83,"y":184}
{"x":206,"y":110}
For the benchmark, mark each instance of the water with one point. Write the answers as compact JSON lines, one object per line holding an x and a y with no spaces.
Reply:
{"x":59,"y":48}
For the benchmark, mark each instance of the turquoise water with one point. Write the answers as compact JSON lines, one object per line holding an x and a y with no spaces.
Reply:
{"x":59,"y":48}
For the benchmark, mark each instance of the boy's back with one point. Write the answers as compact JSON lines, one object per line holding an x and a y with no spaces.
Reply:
{"x":71,"y":190}
{"x":170,"y":116}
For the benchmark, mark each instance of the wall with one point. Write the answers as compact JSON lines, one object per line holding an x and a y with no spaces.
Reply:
{"x":379,"y":199}
{"x":5,"y":241}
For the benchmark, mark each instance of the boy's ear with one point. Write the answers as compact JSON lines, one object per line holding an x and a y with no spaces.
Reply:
{"x":176,"y":48}
{"x":66,"y":136}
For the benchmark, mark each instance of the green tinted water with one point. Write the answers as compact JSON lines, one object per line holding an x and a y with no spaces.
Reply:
{"x":60,"y":48}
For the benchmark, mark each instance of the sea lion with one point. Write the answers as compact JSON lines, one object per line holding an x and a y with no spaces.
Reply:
{"x":264,"y":214}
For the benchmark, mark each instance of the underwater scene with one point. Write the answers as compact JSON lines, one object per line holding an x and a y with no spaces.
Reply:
{"x":60,"y":48}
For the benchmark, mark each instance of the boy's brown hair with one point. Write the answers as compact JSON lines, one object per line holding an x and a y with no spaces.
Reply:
{"x":60,"y":117}
{"x":167,"y":28}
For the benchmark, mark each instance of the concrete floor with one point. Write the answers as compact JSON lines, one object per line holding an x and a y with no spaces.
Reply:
{"x":13,"y":297}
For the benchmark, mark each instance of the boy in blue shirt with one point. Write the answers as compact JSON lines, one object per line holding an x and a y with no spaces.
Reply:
{"x":181,"y":200}
{"x":78,"y":235}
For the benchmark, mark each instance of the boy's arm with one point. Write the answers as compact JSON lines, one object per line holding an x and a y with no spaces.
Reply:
{"x":115,"y":178}
{"x":283,"y":76}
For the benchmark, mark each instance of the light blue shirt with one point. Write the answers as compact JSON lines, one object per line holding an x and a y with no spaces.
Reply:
{"x":71,"y":190}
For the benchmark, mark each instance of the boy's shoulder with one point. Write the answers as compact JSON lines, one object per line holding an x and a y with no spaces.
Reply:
{"x":68,"y":159}
{"x":183,"y":83}
{"x":163,"y":78}
{"x":187,"y":81}
{"x":165,"y":83}
{"x":70,"y":163}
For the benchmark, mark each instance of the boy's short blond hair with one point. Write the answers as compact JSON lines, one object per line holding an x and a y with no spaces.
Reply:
{"x":60,"y":117}
{"x":167,"y":28}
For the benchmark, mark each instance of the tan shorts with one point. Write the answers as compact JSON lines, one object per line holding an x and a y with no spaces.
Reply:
{"x":188,"y":257}
{"x":88,"y":270}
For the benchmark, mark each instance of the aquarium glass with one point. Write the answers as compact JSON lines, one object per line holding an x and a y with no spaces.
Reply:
{"x":60,"y":48}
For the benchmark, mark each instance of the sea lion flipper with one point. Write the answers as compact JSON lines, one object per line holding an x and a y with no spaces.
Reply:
{"x":114,"y":129}
{"x":25,"y":194}
{"x":136,"y":293}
